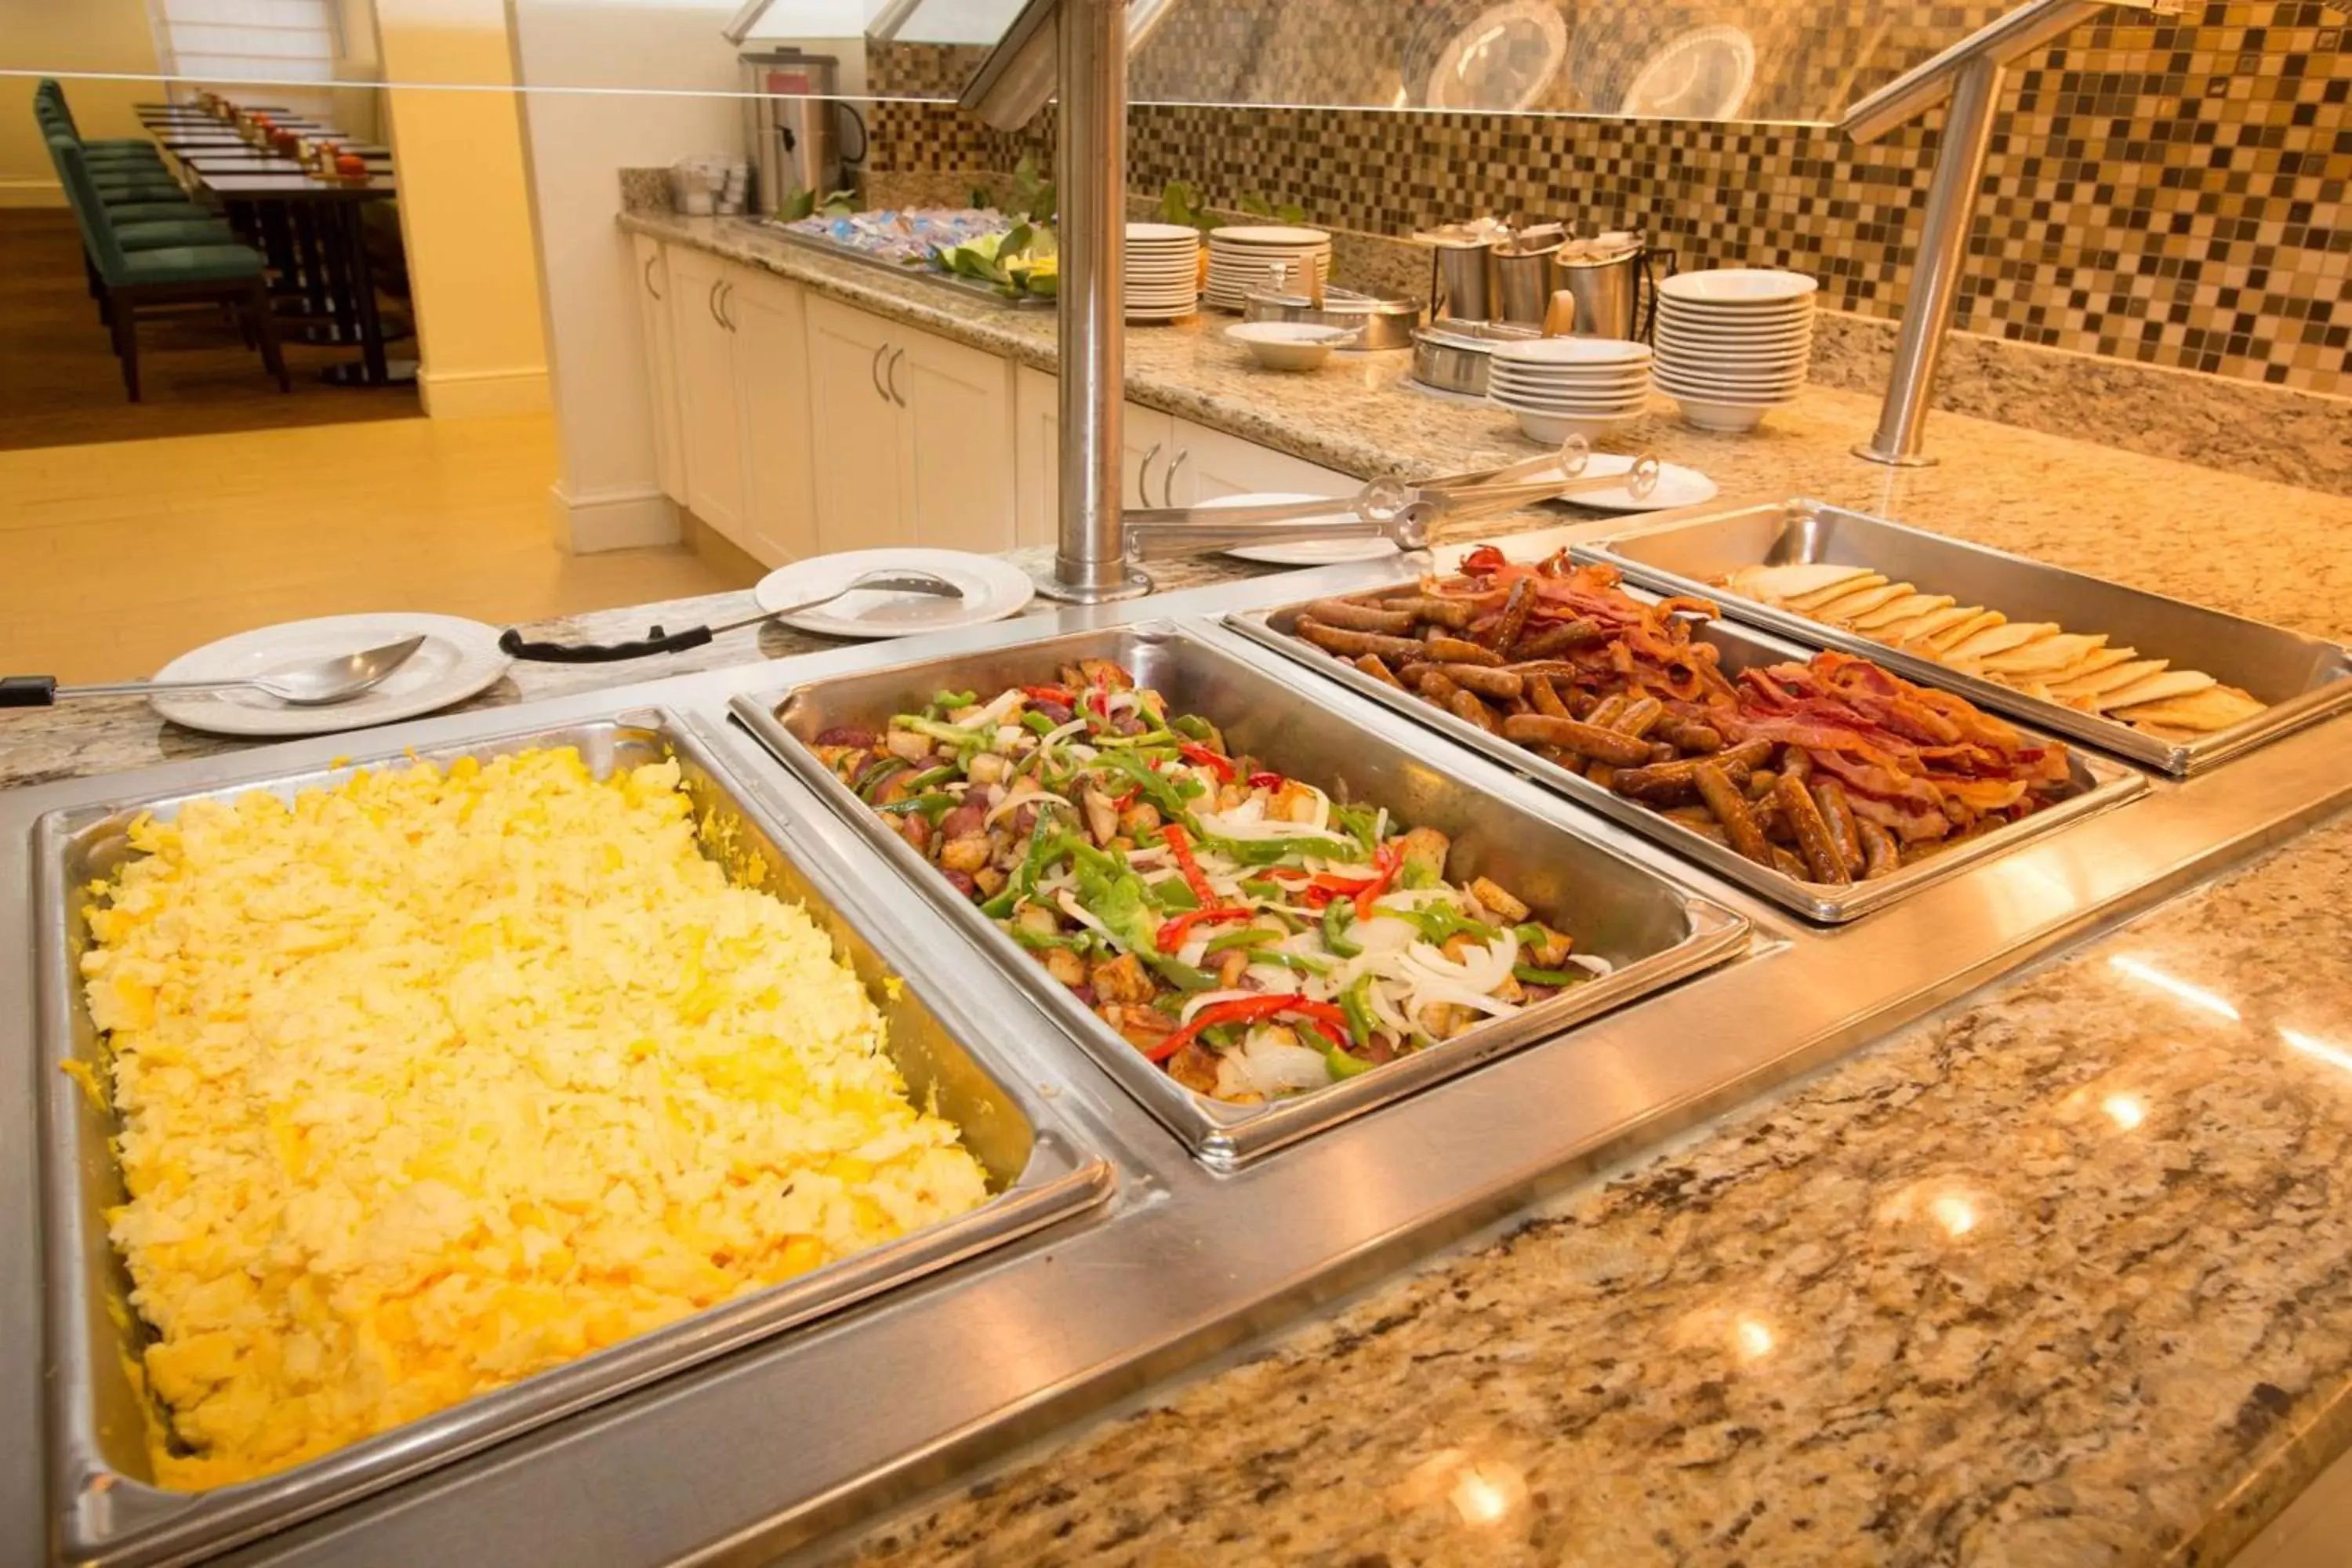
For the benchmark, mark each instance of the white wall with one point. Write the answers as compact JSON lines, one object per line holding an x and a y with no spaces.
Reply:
{"x":608,"y":493}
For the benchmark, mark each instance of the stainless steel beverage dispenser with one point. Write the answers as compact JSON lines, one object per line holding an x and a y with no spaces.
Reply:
{"x":793,"y":121}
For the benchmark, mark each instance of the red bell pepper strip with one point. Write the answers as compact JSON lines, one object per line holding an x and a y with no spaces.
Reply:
{"x":1387,"y":861}
{"x":1265,"y":781}
{"x":1200,"y":755}
{"x":1177,"y":928}
{"x":1246,"y":1010}
{"x":1061,"y":694}
{"x":1179,"y":849}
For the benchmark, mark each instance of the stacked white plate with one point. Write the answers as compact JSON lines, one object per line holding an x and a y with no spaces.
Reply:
{"x":1241,"y":260}
{"x":1560,"y":387}
{"x":1734,"y":344}
{"x":1163,"y":270}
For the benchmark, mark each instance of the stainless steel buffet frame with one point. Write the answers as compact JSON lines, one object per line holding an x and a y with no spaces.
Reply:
{"x":784,"y":1441}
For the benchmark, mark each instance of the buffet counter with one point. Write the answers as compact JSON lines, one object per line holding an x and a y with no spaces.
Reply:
{"x":2055,"y":1275}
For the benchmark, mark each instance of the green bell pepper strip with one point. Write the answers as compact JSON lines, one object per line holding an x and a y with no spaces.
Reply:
{"x":1412,"y":874}
{"x":1534,"y":976}
{"x":1047,"y":843}
{"x":1253,"y":936}
{"x":1177,"y":973}
{"x":1337,"y":915}
{"x":880,"y":772}
{"x":1339,"y":1062}
{"x":1038,"y":941}
{"x":1193,"y":727}
{"x":1130,"y":743}
{"x":933,"y":777}
{"x":1156,"y":788}
{"x":951,"y":700}
{"x":1297,"y":960}
{"x":1265,"y":888}
{"x":1438,"y":923}
{"x":1529,"y":934}
{"x":953,"y":735}
{"x":1355,"y":1002}
{"x":931,"y":808}
{"x":1037,"y":723}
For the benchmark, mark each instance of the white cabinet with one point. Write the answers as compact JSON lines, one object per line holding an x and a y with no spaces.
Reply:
{"x":1210,"y":463}
{"x":855,"y":429}
{"x":652,"y":263}
{"x":708,"y":410}
{"x":1148,"y":435}
{"x":770,"y":318}
{"x":739,"y":340}
{"x":913,"y":435}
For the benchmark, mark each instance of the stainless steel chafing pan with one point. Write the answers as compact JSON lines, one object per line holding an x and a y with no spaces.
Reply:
{"x":104,"y":1503}
{"x":2302,"y":679}
{"x":2098,"y":783}
{"x":1653,"y":932}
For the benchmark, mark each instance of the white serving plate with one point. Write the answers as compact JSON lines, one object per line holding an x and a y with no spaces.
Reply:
{"x":1577,"y":353}
{"x":992,"y":589}
{"x":1737,"y":285}
{"x":460,"y":658}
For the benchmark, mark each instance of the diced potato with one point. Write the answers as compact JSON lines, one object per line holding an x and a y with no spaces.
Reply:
{"x":988,"y":768}
{"x":990,"y":880}
{"x":1427,"y":848}
{"x":1121,"y":979}
{"x":1102,"y":815}
{"x":907,"y":744}
{"x":1232,"y":964}
{"x":1501,"y":904}
{"x":1138,"y":819}
{"x":1549,"y":953}
{"x":968,"y":853}
{"x":1064,"y":965}
{"x":1293,"y":802}
{"x":1443,"y":1020}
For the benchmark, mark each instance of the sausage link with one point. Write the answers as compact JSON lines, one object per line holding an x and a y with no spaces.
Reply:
{"x":1466,"y":706}
{"x":1586,"y":740}
{"x":1797,"y":762}
{"x":1812,"y":832}
{"x":1830,"y":795}
{"x":1558,"y":637}
{"x":1457,"y":650}
{"x":1673,"y":781}
{"x":1515,"y":615}
{"x":1639,"y":718}
{"x":1371,"y":665}
{"x":1545,"y":698}
{"x":1880,"y":856}
{"x":1487,"y":682}
{"x":1688,"y":735}
{"x":1454,"y":614}
{"x":1350,"y":616}
{"x":1339,"y":640}
{"x":1730,"y":808}
{"x":1604,"y":712}
{"x":1433,"y":683}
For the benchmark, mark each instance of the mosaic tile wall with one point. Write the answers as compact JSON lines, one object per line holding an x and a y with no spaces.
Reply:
{"x":2171,"y":192}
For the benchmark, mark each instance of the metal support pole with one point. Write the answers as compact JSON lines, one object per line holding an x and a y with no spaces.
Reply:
{"x":1091,"y":557}
{"x":1936,"y":275}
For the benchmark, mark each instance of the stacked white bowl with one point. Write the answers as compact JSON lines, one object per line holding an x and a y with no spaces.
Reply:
{"x":1163,"y":270}
{"x":1734,"y":344}
{"x":1560,"y":387}
{"x":1243,"y":258}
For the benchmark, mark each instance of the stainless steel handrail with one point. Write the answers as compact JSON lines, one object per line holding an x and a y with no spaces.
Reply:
{"x":1969,"y":75}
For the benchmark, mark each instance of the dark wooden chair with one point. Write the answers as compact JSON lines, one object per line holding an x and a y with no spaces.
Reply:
{"x":234,"y":275}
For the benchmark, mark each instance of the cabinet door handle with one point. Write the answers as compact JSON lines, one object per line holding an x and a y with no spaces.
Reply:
{"x":892,"y":376}
{"x":725,"y":294}
{"x":650,"y":277}
{"x":713,"y":303}
{"x":875,"y":370}
{"x":1167,"y":491}
{"x":1143,"y":474}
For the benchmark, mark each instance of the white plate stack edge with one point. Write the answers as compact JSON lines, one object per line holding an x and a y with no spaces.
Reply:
{"x":1734,"y":343}
{"x":1243,"y":258}
{"x":1163,"y":272}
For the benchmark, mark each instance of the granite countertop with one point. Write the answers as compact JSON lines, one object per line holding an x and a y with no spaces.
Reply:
{"x":2056,"y":1277}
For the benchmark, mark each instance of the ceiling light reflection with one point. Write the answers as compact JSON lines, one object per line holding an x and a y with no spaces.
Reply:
{"x":2333,"y":1056}
{"x":2124,"y":1111}
{"x":1753,"y":1336}
{"x":2180,"y":990}
{"x":1954,"y":1214}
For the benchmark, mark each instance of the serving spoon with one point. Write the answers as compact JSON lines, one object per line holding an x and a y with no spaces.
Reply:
{"x":313,"y":684}
{"x":902,"y":580}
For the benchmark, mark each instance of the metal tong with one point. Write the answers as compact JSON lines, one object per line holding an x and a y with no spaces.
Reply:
{"x":1387,"y":508}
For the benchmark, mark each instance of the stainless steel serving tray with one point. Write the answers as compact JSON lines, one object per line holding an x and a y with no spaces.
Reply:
{"x":2302,"y":677}
{"x":104,"y":1505}
{"x":2101,"y":783}
{"x":1652,"y":931}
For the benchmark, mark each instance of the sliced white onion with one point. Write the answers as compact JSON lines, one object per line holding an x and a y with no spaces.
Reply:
{"x":997,"y":712}
{"x":1193,"y":1004}
{"x":1440,"y":990}
{"x":1597,"y":965}
{"x":1273,"y":1068}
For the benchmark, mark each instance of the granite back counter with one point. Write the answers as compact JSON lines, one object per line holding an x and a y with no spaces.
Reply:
{"x":2057,"y":1276}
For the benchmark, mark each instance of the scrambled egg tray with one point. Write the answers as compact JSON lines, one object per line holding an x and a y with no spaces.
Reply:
{"x":433,"y":1080}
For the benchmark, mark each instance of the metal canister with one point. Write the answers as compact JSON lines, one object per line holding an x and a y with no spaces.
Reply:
{"x":1462,"y":280}
{"x":1608,"y":284}
{"x":1524,"y":283}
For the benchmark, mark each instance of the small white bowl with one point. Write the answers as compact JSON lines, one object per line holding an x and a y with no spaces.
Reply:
{"x":1728,"y":418}
{"x":1289,"y":345}
{"x":1551,"y":429}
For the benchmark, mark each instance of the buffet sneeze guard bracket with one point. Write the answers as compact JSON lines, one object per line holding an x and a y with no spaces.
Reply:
{"x":789,"y":1441}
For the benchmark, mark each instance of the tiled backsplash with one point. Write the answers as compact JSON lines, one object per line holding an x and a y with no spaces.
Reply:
{"x":2170,"y":192}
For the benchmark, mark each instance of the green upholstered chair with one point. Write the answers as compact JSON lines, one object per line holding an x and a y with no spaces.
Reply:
{"x":49,"y":101}
{"x":229,"y":275}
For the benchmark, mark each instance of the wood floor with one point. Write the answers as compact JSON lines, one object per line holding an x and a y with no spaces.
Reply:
{"x":115,"y":558}
{"x":58,"y":381}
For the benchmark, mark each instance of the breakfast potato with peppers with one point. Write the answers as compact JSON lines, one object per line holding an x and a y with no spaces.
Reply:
{"x":1251,"y":934}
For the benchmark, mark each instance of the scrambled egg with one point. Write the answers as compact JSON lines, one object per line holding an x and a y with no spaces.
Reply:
{"x":433,"y":1081}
